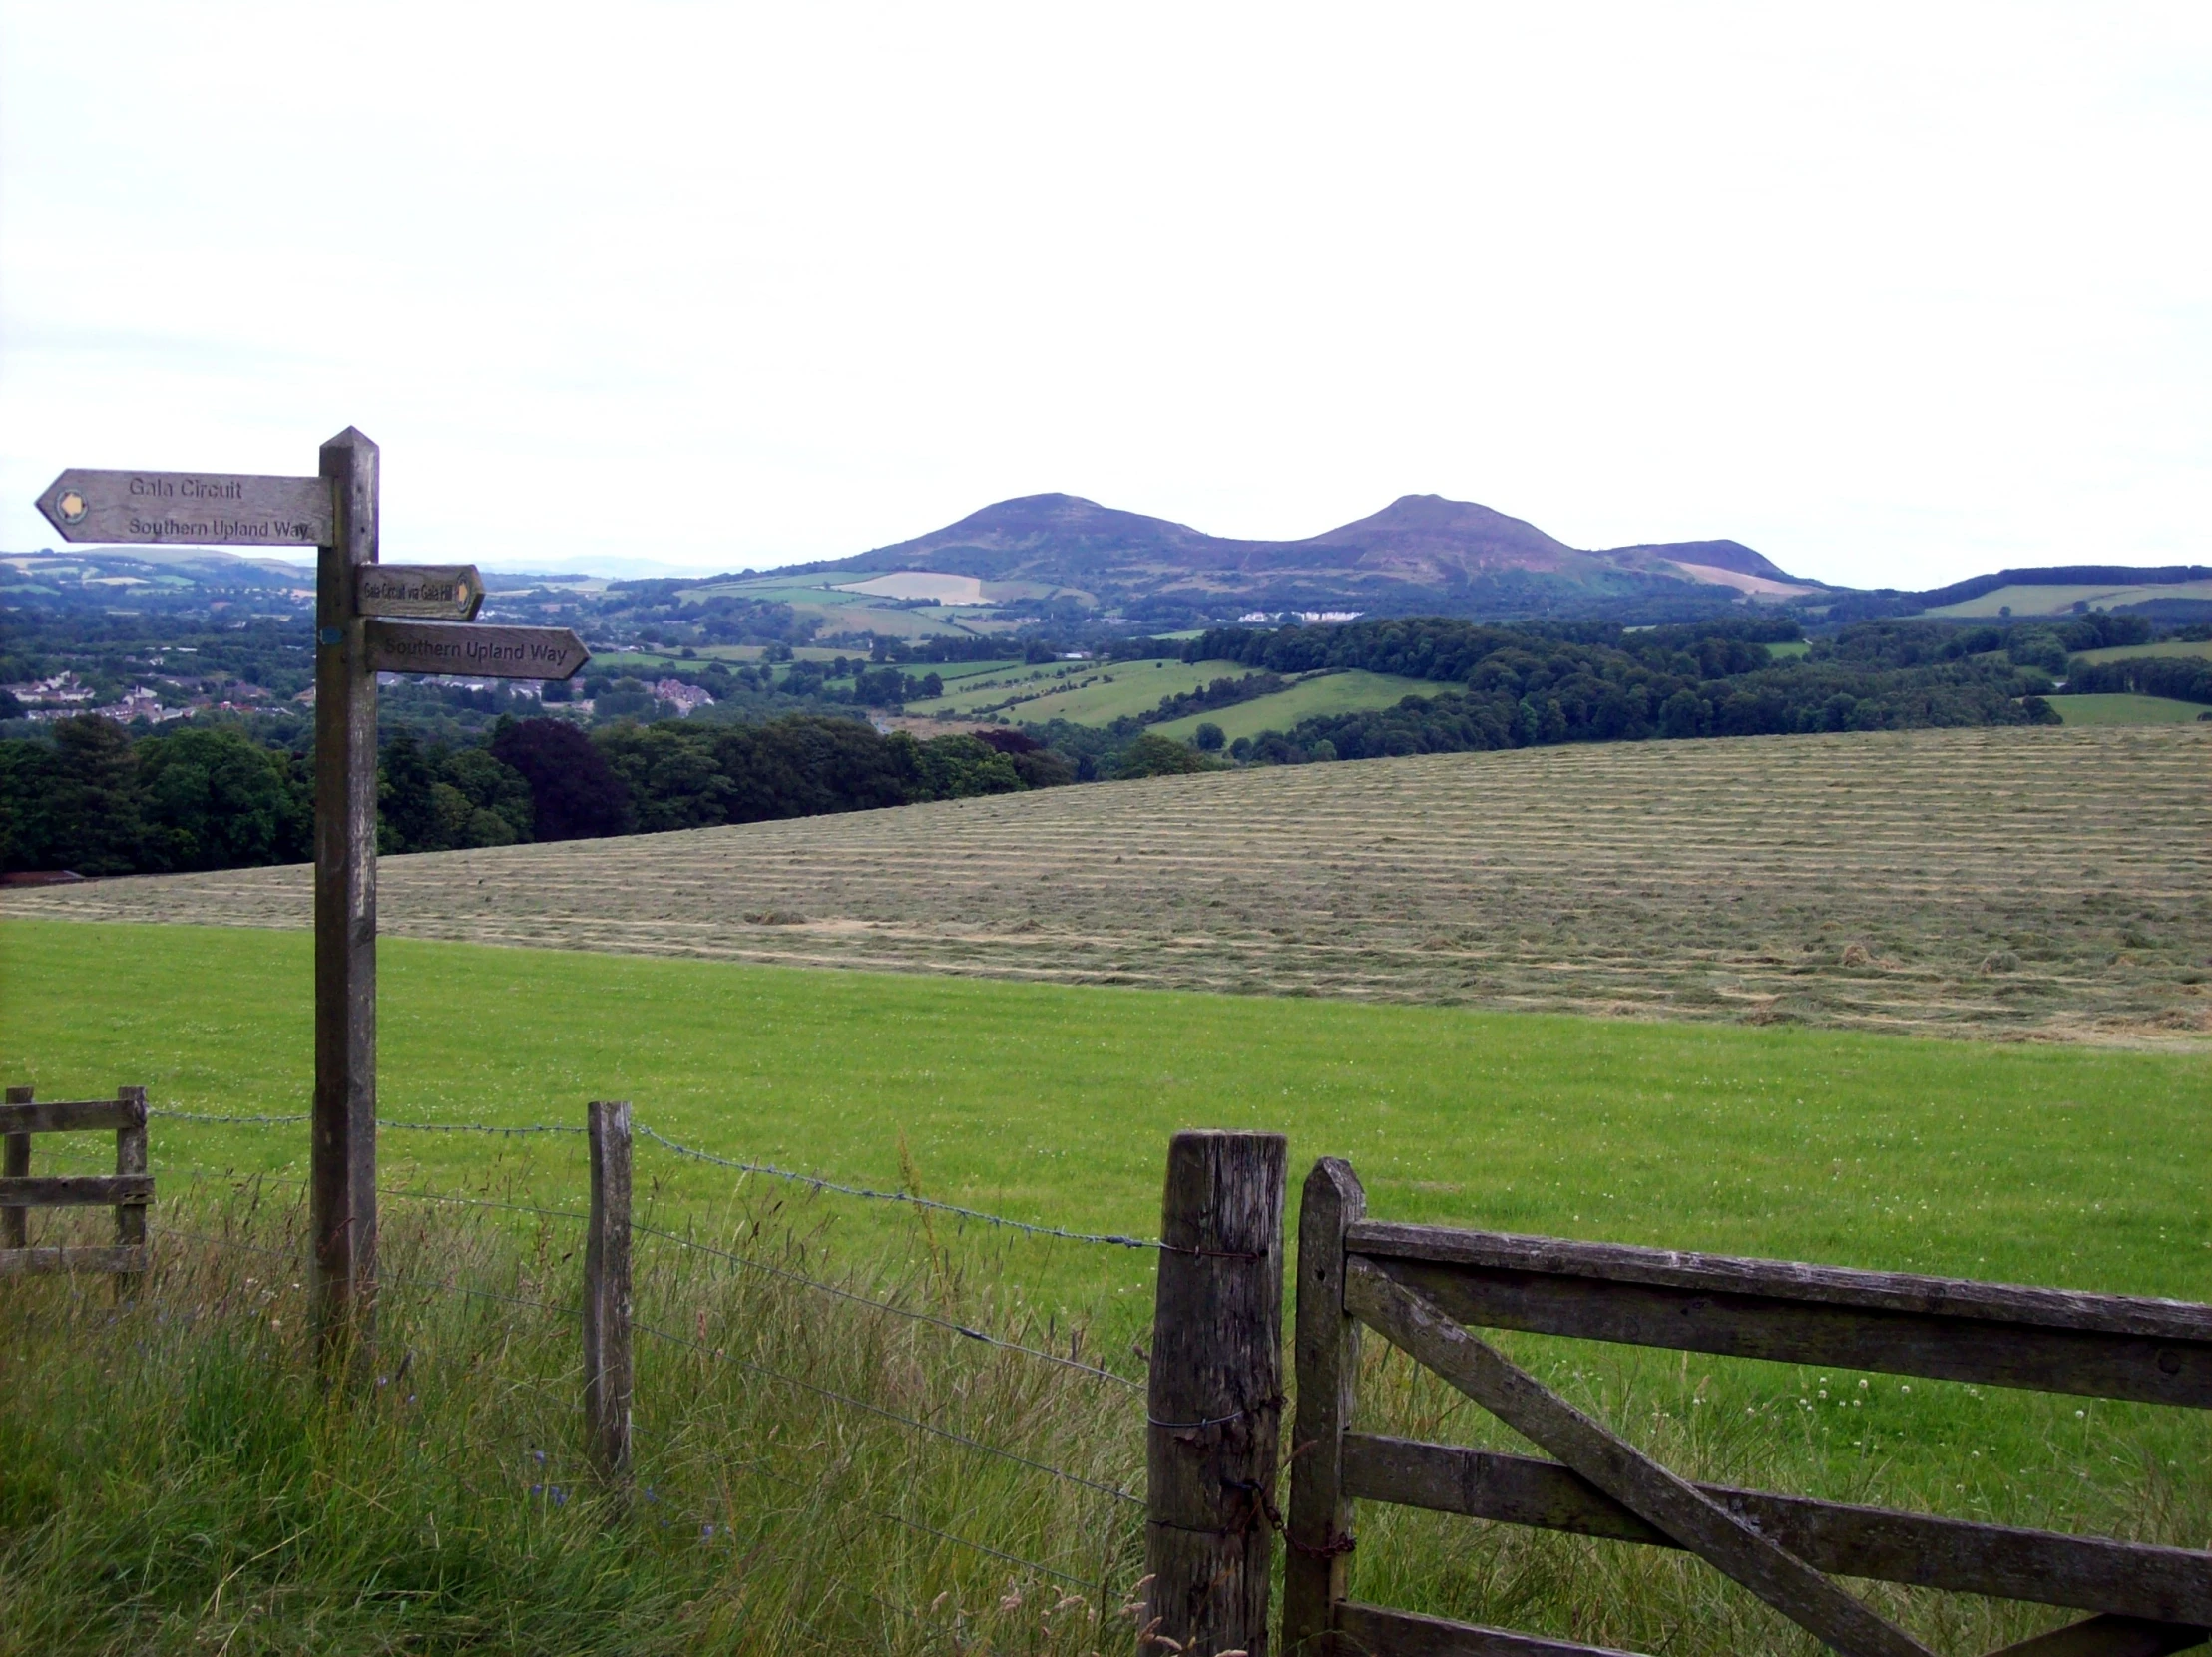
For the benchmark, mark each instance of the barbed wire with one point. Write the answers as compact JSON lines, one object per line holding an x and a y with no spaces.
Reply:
{"x":887,"y":1306}
{"x":817,"y":1182}
{"x":381,"y":1123}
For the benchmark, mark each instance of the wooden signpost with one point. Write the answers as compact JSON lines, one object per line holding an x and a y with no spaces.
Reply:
{"x":360,"y":632}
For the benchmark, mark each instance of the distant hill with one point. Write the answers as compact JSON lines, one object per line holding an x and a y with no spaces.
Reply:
{"x":1421,"y":553}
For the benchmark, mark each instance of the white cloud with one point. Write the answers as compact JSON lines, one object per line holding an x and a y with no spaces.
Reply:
{"x":1895,"y":295}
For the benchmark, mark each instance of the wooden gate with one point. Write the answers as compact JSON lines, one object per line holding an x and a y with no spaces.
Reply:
{"x":128,"y":1189}
{"x":1421,"y":1286}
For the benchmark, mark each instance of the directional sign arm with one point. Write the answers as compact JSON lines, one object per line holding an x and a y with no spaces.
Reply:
{"x":433,"y":591}
{"x":199,"y":509}
{"x":477,"y":650}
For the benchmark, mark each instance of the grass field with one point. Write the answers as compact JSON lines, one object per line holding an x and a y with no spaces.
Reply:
{"x":2121,"y":708}
{"x":1348,"y":692}
{"x":2042,"y":883}
{"x":2022,"y":601}
{"x":1097,"y":693}
{"x":2199,"y":648}
{"x":141,"y":1507}
{"x":1053,"y":1102}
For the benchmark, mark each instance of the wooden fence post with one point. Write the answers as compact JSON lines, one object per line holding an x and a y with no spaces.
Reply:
{"x":607,"y":1365}
{"x":1327,"y":1344}
{"x":129,"y":1158}
{"x":342,"y":1161}
{"x":15,"y":1163}
{"x":1215,"y":1401}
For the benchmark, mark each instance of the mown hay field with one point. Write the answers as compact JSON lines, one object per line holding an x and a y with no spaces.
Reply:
{"x":2047,"y":883}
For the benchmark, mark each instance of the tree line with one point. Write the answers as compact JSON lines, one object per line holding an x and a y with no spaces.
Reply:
{"x":99,"y":801}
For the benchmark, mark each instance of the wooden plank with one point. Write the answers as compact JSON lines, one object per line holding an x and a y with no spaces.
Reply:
{"x":475,"y":648}
{"x":343,"y":1129}
{"x":19,"y":1116}
{"x":2097,"y":1363}
{"x":1326,"y":1344}
{"x":199,"y":509}
{"x":607,"y":1371}
{"x":2166,"y":1320}
{"x":1373,"y":1631}
{"x":73,"y":1259}
{"x":440,"y":591}
{"x":2088,"y":1574}
{"x":76,"y":1190}
{"x":1215,"y":1392}
{"x":2108,"y":1637}
{"x":14,"y":1162}
{"x":1719,"y":1537}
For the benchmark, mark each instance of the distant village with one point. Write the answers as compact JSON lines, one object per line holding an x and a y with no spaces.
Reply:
{"x":65,"y":695}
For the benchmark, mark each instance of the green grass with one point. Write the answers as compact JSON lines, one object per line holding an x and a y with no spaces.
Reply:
{"x":2200,"y":648}
{"x":1348,"y":692}
{"x":2045,"y":1164}
{"x":2121,"y":708}
{"x":173,"y":1485}
{"x":1101,"y":691}
{"x":1791,"y":649}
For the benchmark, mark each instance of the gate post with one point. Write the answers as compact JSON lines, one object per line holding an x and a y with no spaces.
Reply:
{"x":607,"y":1363}
{"x":1215,"y":1398}
{"x":1327,"y":1344}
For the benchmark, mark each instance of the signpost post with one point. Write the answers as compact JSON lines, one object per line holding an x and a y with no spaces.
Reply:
{"x":360,"y":632}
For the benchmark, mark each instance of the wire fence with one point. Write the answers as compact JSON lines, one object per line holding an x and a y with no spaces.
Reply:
{"x":449,"y":1285}
{"x":844,"y":1294}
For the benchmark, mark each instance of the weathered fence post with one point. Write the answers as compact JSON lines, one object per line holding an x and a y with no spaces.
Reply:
{"x":1327,"y":1344}
{"x":607,"y":1366}
{"x":15,"y":1232}
{"x":129,"y":1158}
{"x":1215,"y":1401}
{"x":342,"y":1162}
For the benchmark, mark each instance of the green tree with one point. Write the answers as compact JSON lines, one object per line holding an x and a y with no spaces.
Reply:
{"x":1154,"y":755}
{"x":1209,"y":738}
{"x":92,"y":818}
{"x":957,"y":768}
{"x":217,"y":799}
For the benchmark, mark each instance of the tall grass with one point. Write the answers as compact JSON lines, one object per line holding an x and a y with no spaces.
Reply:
{"x":173,"y":1479}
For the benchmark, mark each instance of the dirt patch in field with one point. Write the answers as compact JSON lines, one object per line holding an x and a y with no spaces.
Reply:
{"x":1867,"y":881}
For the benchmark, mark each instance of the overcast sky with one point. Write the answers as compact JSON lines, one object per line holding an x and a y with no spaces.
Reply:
{"x":1892,"y":293}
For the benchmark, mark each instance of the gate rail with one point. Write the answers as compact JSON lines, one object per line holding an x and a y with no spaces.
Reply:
{"x":128,"y":1190}
{"x":1421,"y":1286}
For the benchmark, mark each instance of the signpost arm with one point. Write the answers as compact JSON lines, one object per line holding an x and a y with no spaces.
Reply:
{"x":342,"y":1189}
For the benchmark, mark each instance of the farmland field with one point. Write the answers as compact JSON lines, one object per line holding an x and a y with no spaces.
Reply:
{"x":2121,"y":708}
{"x":1347,"y":692}
{"x":2024,"y":602}
{"x":2198,"y":648}
{"x":1053,"y":1102}
{"x":1101,"y":691}
{"x":2073,"y":1165}
{"x":2045,"y":882}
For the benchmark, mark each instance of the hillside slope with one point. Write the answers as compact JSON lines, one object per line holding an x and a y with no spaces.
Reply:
{"x":1883,"y":881}
{"x":1419,"y":553}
